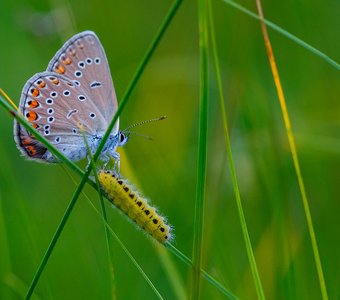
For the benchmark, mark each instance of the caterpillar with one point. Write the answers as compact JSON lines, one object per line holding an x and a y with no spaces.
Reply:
{"x":136,"y":207}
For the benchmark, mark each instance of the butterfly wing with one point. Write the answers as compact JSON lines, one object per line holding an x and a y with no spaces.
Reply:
{"x":57,"y":108}
{"x":82,"y":59}
{"x":76,"y":88}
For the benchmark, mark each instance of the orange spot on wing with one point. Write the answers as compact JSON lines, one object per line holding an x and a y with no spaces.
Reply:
{"x":60,"y":69}
{"x":42,"y":84}
{"x":35,"y":125}
{"x":67,"y":61}
{"x":26,"y":141}
{"x":35,"y":92}
{"x":31,"y":116}
{"x":55,"y":81}
{"x":72,"y":52}
{"x":31,"y":150}
{"x":33,"y":103}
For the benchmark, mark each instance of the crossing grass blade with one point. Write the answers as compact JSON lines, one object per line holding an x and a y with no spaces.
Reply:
{"x":112,"y":233}
{"x":202,"y":152}
{"x":127,"y":252}
{"x":204,"y":274}
{"x":103,"y":212}
{"x":7,"y":106}
{"x":287,"y":34}
{"x":246,"y":237}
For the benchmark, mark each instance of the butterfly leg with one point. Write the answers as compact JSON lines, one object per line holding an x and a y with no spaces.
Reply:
{"x":89,"y":163}
{"x":116,"y":165}
{"x":105,"y":158}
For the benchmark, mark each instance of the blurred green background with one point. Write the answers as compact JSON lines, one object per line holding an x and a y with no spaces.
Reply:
{"x":34,"y":196}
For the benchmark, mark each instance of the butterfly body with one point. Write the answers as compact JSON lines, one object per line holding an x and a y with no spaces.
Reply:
{"x":74,"y":94}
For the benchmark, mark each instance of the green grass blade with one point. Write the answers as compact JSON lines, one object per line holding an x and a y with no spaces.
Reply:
{"x":174,"y":251}
{"x":290,"y":36}
{"x":171,"y":272}
{"x":44,"y":141}
{"x":5,"y":258}
{"x":127,"y":252}
{"x":202,"y":152}
{"x":115,"y":236}
{"x":182,"y":257}
{"x":4,"y":103}
{"x":204,"y":274}
{"x":168,"y":265}
{"x":18,"y":286}
{"x":103,"y":212}
{"x":250,"y":253}
{"x":56,"y":235}
{"x":154,"y":43}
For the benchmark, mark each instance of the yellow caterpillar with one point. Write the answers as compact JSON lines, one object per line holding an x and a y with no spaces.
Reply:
{"x":134,"y":206}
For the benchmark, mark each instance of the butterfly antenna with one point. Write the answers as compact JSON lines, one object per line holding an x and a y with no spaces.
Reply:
{"x":147,"y":137}
{"x":144,"y":122}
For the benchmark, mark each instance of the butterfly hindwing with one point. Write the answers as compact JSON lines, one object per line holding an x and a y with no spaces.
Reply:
{"x":57,"y":108}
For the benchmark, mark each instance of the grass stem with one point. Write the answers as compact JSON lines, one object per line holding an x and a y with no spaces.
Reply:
{"x":285,"y":33}
{"x":202,"y":152}
{"x":293,"y":150}
{"x":250,"y":253}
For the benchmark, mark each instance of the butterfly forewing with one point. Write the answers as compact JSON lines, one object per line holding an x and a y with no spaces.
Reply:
{"x":50,"y":98}
{"x":82,"y":59}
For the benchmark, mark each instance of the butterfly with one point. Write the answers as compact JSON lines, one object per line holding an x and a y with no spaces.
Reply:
{"x":76,"y":91}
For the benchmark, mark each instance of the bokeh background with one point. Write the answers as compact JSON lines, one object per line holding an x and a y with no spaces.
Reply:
{"x":34,"y":196}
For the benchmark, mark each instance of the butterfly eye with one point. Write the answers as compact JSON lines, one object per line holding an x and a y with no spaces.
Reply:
{"x":122,"y":139}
